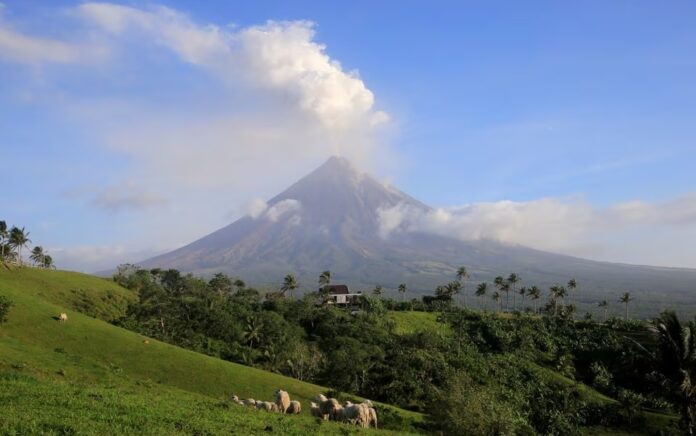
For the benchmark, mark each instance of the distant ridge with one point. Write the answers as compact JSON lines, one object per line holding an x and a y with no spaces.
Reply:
{"x":329,"y":220}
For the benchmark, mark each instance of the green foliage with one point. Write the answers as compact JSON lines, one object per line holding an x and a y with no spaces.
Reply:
{"x":5,"y":305}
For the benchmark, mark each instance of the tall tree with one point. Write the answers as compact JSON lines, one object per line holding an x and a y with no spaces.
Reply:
{"x":522,"y":291}
{"x":19,"y":238}
{"x":377,"y":290}
{"x":481,"y":290}
{"x":289,"y":284}
{"x":676,"y":360}
{"x":572,"y":286}
{"x":37,"y":255}
{"x":499,"y":283}
{"x":557,"y":293}
{"x":4,"y":235}
{"x":534,"y":294}
{"x":462,"y":275}
{"x":325,"y":278}
{"x":402,"y":290}
{"x":604,"y":304}
{"x":625,"y":299}
{"x":498,"y":300}
{"x":513,"y":279}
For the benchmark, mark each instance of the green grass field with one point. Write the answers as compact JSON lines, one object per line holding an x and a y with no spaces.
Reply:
{"x":87,"y":354}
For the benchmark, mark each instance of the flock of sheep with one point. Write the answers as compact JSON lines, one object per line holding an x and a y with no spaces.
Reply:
{"x":363,"y":414}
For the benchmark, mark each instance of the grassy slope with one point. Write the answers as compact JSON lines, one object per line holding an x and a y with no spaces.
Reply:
{"x":87,"y":350}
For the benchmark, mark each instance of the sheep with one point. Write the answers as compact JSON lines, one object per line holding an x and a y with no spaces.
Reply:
{"x":63,"y":317}
{"x":330,"y":408}
{"x":235,"y":399}
{"x":347,"y":404}
{"x":315,"y":410}
{"x":368,"y":403}
{"x":320,"y":398}
{"x":294,"y":408}
{"x":355,"y":414}
{"x":282,"y":399}
{"x":250,"y":402}
{"x":372,"y":416}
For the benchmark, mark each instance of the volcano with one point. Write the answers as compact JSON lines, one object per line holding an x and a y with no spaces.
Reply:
{"x":330,"y":220}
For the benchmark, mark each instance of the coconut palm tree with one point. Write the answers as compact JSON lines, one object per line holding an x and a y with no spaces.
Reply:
{"x":377,"y":290}
{"x":534,"y":293}
{"x":522,"y":291}
{"x":557,"y":293}
{"x":402,"y":290}
{"x":604,"y":304}
{"x":499,"y":283}
{"x":676,"y":362}
{"x":19,"y":238}
{"x":462,"y":275}
{"x":481,"y":290}
{"x":512,"y":280}
{"x":289,"y":284}
{"x":625,"y":299}
{"x":498,"y":300}
{"x":4,"y":235}
{"x":48,"y":262}
{"x":37,"y":255}
{"x":325,"y":278}
{"x":252,"y":331}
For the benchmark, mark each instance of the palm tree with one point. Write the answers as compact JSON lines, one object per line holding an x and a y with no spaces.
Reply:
{"x":252,"y":330}
{"x":572,"y":285}
{"x":534,"y":293}
{"x":498,"y":300}
{"x":522,"y":291}
{"x":325,"y":278}
{"x":677,"y":363}
{"x":513,"y":279}
{"x":289,"y":284}
{"x":4,"y":235}
{"x":505,"y":287}
{"x":481,"y":289}
{"x":557,"y":293}
{"x":18,"y":239}
{"x":604,"y":304}
{"x":377,"y":290}
{"x":37,"y":255}
{"x":499,"y":282}
{"x":48,"y":262}
{"x":402,"y":290}
{"x":625,"y":299}
{"x":462,"y":275}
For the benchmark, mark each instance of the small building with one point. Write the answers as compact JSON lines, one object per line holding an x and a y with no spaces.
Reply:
{"x":341,"y":296}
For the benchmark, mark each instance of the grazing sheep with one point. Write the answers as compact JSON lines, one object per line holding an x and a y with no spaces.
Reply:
{"x":315,"y":410}
{"x":294,"y":408}
{"x":372,"y":416}
{"x":146,"y":342}
{"x":330,"y":409}
{"x":282,"y":399}
{"x":63,"y":317}
{"x":250,"y":402}
{"x":347,"y":404}
{"x":368,"y":403}
{"x":356,"y":414}
{"x":320,"y":398}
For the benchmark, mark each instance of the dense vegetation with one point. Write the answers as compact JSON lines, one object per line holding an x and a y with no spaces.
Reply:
{"x":487,"y":374}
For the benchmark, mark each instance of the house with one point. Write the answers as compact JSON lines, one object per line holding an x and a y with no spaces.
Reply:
{"x":340,"y":295}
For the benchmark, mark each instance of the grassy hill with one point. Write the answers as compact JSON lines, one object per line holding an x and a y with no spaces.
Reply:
{"x":87,"y":358}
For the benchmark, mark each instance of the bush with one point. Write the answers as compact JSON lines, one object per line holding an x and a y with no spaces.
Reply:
{"x":5,"y":305}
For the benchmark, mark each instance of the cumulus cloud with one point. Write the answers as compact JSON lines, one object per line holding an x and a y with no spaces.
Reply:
{"x":256,"y":207}
{"x":570,"y":226}
{"x":281,"y":56}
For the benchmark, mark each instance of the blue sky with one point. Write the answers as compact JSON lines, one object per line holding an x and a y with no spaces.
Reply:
{"x":576,"y":122}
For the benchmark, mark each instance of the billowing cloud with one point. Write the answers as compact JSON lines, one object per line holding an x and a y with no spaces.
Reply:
{"x":630,"y":231}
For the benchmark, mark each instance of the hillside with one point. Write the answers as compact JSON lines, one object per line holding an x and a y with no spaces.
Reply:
{"x":332,"y":219}
{"x":87,"y":353}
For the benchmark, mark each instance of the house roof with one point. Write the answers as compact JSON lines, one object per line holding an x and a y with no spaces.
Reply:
{"x":337,"y":289}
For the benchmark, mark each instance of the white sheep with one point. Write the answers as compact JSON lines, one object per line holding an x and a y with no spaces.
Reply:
{"x":355,"y":414}
{"x":63,"y":317}
{"x":282,"y":400}
{"x":330,"y":409}
{"x":372,"y":416}
{"x":250,"y":402}
{"x":320,"y":398}
{"x":294,"y":408}
{"x":315,"y":410}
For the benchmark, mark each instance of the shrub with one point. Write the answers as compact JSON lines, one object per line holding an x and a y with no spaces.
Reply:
{"x":5,"y":305}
